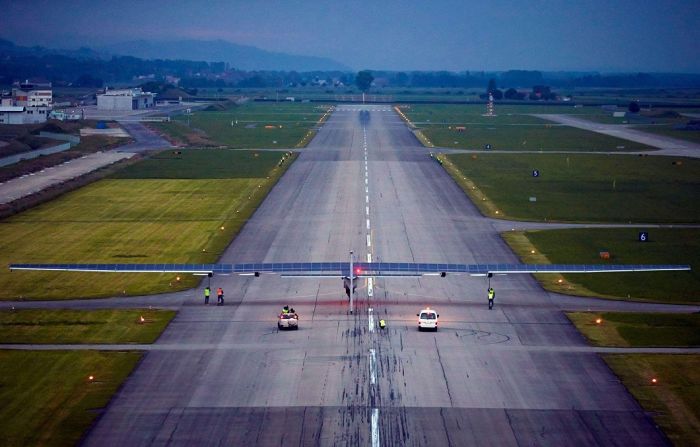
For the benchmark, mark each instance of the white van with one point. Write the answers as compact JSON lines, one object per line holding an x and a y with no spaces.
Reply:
{"x":428,"y":319}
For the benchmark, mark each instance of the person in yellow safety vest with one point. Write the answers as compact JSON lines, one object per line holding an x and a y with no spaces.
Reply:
{"x":382,"y":324}
{"x":207,"y":293}
{"x":492,"y":295}
{"x":285,"y":310}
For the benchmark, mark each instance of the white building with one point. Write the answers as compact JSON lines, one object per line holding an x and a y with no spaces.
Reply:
{"x":12,"y":115}
{"x":33,"y":95}
{"x":125,"y":99}
{"x":6,"y":99}
{"x":29,"y":104}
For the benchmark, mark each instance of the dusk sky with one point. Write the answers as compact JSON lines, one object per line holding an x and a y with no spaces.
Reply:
{"x":605,"y":35}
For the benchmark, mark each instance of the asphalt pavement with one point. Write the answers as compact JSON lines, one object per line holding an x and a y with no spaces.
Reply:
{"x":519,"y":374}
{"x":25,"y":185}
{"x":145,"y":139}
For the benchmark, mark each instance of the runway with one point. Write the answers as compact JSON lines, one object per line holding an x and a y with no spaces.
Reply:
{"x":516,"y":375}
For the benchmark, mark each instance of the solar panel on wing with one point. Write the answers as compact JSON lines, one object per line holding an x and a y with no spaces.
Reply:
{"x":343,"y":268}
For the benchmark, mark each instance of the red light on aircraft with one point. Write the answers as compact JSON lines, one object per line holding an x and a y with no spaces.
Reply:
{"x":358,"y":270}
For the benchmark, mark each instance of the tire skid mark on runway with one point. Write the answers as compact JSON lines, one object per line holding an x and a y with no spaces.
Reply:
{"x":482,"y":337}
{"x":444,"y":375}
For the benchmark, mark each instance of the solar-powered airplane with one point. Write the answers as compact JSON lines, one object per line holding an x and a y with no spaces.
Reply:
{"x":351,"y":271}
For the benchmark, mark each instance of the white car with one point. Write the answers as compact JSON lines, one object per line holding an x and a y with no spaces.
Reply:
{"x":288,"y":321}
{"x":428,"y":319}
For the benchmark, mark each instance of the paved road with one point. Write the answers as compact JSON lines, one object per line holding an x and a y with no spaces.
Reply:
{"x":29,"y":184}
{"x":517,"y":375}
{"x":144,"y":138}
{"x":668,"y":145}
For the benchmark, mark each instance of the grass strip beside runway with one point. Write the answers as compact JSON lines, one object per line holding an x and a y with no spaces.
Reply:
{"x":674,"y":400}
{"x":465,"y":127}
{"x":581,"y":188}
{"x":584,"y":246}
{"x":252,"y":125}
{"x":632,"y":329}
{"x":57,"y":326}
{"x":186,"y":219}
{"x":203,"y":164}
{"x":669,"y":130}
{"x":47,"y":398}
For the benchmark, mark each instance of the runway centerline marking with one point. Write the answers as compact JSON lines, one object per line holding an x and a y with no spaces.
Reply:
{"x":367,"y":210}
{"x":375,"y":427}
{"x":372,"y":366}
{"x":369,"y":241}
{"x":368,"y":224}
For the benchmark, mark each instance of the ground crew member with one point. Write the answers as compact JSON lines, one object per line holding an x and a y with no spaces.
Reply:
{"x":219,"y":296}
{"x":207,"y":292}
{"x":492,"y":295}
{"x":382,"y":324}
{"x":285,"y":310}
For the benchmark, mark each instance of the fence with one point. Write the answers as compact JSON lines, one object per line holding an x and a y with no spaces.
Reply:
{"x":5,"y":161}
{"x":74,"y":139}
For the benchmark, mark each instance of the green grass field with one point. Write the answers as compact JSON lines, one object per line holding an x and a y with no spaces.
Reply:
{"x":56,"y":326}
{"x":46,"y":397}
{"x":582,"y":188}
{"x":631,"y":329}
{"x":674,"y":401}
{"x":253,"y":125}
{"x":464,"y":114}
{"x":186,"y":218}
{"x":203,"y":164}
{"x":669,"y":131}
{"x":512,"y":129}
{"x":582,"y":246}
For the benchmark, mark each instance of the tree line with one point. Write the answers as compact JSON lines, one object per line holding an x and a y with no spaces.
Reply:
{"x":85,"y":68}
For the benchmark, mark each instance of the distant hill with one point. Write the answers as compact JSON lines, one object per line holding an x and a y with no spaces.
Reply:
{"x":241,"y":57}
{"x":9,"y":48}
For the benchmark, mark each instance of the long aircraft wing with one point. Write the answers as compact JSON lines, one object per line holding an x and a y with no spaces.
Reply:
{"x":361,"y":269}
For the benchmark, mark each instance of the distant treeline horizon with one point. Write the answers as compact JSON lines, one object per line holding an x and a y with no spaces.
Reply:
{"x":84,"y":68}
